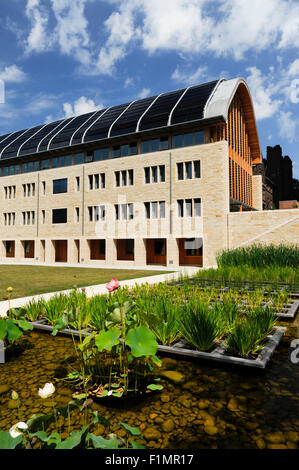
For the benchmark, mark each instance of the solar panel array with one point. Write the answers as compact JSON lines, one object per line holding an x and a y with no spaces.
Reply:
{"x":166,"y":109}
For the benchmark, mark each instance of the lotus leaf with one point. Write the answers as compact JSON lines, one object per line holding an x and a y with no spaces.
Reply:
{"x":142,"y":342}
{"x":107,"y":339}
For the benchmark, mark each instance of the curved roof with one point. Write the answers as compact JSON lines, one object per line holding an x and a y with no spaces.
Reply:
{"x":195,"y":103}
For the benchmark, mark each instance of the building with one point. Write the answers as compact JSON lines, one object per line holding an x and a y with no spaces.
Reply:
{"x":267,"y":189}
{"x":279,"y":170}
{"x":166,"y":180}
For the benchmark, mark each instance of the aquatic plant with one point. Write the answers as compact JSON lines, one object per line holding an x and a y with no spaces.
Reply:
{"x":161,"y":316}
{"x":245,"y":339}
{"x":201,"y":326}
{"x":259,"y":255}
{"x":33,"y":433}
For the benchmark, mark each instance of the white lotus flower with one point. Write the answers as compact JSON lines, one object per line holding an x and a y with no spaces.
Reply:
{"x":47,"y":391}
{"x":109,"y":393}
{"x":17,"y":429}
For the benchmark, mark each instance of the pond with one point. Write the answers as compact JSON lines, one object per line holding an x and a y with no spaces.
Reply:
{"x":203,"y":405}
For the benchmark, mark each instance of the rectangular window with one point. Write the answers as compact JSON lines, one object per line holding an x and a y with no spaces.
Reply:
{"x":162,"y":209}
{"x":77,"y":214}
{"x":188,"y":139}
{"x":177,"y":141}
{"x":77,"y":183}
{"x":59,"y":216}
{"x":102,"y":154}
{"x":181,"y":208}
{"x":131,"y":177}
{"x":147,"y":210}
{"x":78,"y":158}
{"x":90,"y":213}
{"x":162,"y":173}
{"x":102,"y":212}
{"x":116,"y":151}
{"x":188,"y":207}
{"x":163,"y":143}
{"x":124,"y":178}
{"x":90,"y":179}
{"x":197,"y":207}
{"x":117,"y":178}
{"x":154,"y":210}
{"x":154,"y":174}
{"x":188,"y":170}
{"x":147,"y":175}
{"x":96,"y":181}
{"x":60,"y":186}
{"x":33,"y":189}
{"x":145,"y":146}
{"x":180,"y":168}
{"x":44,"y":216}
{"x":44,"y":187}
{"x":45,"y":164}
{"x":125,"y":150}
{"x":131,"y":211}
{"x":103,"y":180}
{"x":124,"y":211}
{"x":116,"y":211}
{"x":88,"y":157}
{"x":33,"y":217}
{"x":199,"y":137}
{"x":196,"y":169}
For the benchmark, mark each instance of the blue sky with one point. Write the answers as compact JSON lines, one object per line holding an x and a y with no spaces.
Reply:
{"x":64,"y":57}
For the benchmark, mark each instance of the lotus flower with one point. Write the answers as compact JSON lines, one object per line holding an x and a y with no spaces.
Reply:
{"x":47,"y":391}
{"x":17,"y":429}
{"x":112,"y":285}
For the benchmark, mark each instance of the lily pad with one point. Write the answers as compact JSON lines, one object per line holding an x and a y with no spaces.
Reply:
{"x":142,"y":341}
{"x":107,"y":339}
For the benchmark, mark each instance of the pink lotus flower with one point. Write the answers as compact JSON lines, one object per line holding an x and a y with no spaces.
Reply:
{"x":112,"y":285}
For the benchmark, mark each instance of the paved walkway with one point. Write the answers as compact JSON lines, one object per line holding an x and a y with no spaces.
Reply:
{"x":101,"y":288}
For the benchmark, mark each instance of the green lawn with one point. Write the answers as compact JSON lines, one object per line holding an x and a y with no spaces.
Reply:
{"x":32,"y":280}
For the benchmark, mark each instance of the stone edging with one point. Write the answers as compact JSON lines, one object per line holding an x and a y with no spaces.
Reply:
{"x":218,"y":354}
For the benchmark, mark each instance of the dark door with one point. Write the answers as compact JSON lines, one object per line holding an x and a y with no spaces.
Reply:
{"x":61,"y":251}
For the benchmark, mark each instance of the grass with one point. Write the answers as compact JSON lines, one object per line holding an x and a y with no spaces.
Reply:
{"x":33,"y":280}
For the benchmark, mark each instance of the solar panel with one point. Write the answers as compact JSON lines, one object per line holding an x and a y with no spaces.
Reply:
{"x":78,"y":135}
{"x":128,"y":121}
{"x":62,"y":139}
{"x":44,"y":142}
{"x":157,"y":115}
{"x":191,"y":106}
{"x":180,"y":106}
{"x":100,"y":129}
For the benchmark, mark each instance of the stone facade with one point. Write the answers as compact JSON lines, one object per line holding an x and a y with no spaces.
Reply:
{"x":212,"y":188}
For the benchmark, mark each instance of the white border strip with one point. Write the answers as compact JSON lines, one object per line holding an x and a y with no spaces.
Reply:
{"x":178,"y":101}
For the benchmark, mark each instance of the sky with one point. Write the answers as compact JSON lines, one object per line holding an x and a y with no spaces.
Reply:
{"x":60,"y":58}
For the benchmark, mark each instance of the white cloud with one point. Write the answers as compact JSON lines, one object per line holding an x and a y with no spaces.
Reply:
{"x":144,"y":93}
{"x":38,"y":39}
{"x":190,"y":77}
{"x":71,"y":32}
{"x":82,"y":105}
{"x":262,"y":91}
{"x":13,"y":74}
{"x":294,"y":68}
{"x":287,"y":126}
{"x":203,"y":27}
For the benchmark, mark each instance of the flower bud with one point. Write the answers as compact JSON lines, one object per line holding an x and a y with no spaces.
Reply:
{"x":14,"y":395}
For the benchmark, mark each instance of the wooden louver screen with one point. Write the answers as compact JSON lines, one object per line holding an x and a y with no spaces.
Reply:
{"x":240,"y":161}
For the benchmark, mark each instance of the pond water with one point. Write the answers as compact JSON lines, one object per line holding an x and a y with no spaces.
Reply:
{"x":203,"y":405}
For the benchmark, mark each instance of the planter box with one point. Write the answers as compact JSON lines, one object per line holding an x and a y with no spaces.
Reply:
{"x":219,"y":353}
